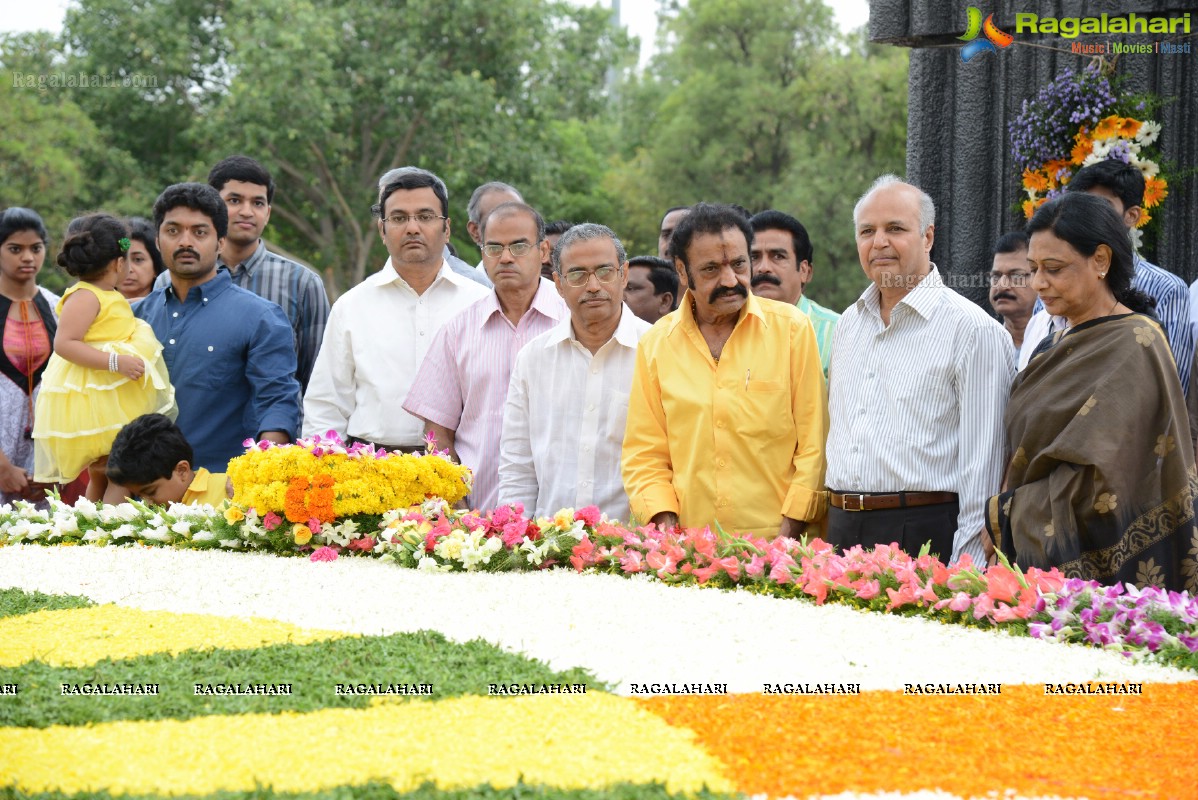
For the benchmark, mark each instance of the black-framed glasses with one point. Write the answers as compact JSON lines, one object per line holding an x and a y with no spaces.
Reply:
{"x":579,"y":277}
{"x":517,"y":249}
{"x":424,"y":218}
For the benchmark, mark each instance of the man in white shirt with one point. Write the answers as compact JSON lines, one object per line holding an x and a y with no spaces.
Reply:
{"x":563,"y":424}
{"x":379,"y":331}
{"x":483,"y":201}
{"x":918,"y":385}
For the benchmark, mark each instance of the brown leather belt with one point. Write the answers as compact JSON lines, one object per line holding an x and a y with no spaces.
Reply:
{"x":879,"y":502}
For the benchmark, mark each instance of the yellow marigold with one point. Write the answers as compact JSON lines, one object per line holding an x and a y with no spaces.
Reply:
{"x":1107,"y":128}
{"x":1155,"y":190}
{"x":302,"y":534}
{"x":1145,"y":218}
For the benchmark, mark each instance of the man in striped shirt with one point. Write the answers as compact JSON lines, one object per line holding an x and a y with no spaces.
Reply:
{"x":462,"y":384}
{"x":917,"y":389}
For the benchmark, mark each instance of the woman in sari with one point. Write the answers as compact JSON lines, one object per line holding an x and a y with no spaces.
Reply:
{"x":1101,"y":481}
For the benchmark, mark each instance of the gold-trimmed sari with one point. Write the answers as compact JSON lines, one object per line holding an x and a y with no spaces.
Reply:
{"x":1101,"y":481}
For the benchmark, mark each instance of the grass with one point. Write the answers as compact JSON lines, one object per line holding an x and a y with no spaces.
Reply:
{"x":17,"y":601}
{"x":377,"y":791}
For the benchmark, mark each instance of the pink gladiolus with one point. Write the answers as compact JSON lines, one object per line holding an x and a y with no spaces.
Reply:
{"x":730,"y":565}
{"x":582,"y":554}
{"x":271,"y":521}
{"x":868,"y":590}
{"x":1050,"y":582}
{"x":904,"y":596}
{"x":756,"y":567}
{"x":324,"y":554}
{"x":632,"y":562}
{"x":1002,"y":584}
{"x":961,"y":602}
{"x":589,"y":515}
{"x":1006,"y":613}
{"x":781,"y":571}
{"x":983,"y":606}
{"x":704,"y":574}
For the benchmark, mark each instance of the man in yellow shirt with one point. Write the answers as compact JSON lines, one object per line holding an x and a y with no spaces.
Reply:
{"x":728,"y":413}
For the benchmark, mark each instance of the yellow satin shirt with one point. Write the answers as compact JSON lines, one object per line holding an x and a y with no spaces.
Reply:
{"x":739,"y":443}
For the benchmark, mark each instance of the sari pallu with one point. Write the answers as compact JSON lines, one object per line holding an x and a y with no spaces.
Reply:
{"x":1101,"y":481}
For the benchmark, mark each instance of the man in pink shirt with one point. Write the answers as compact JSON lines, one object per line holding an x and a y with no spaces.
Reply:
{"x":461,"y":386}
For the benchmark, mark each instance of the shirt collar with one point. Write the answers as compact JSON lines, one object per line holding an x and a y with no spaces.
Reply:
{"x":684,"y":314}
{"x":923,"y":299}
{"x":207,"y":290}
{"x":388,"y":275}
{"x":625,"y":334}
{"x":546,"y":302}
{"x":250,"y":264}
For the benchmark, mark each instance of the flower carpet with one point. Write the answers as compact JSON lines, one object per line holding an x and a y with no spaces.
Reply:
{"x":281,"y":677}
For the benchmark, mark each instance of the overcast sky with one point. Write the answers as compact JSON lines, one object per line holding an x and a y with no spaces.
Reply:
{"x":640,"y":16}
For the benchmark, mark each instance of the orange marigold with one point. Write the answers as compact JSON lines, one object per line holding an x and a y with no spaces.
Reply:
{"x":1055,"y":168}
{"x":1029,"y":208}
{"x":1034,"y":180}
{"x":1155,"y":190}
{"x":1107,"y":128}
{"x":1081,"y":149}
{"x":1128,"y":127}
{"x":1145,"y":218}
{"x":295,"y":502}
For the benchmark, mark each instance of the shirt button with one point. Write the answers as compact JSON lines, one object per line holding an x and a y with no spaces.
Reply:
{"x":591,"y":407}
{"x":586,"y":448}
{"x":861,"y":411}
{"x":172,"y":341}
{"x":422,"y":333}
{"x":209,"y":348}
{"x":205,"y":299}
{"x":175,"y":314}
{"x":854,"y":450}
{"x":595,"y":371}
{"x":722,"y":463}
{"x":720,"y":424}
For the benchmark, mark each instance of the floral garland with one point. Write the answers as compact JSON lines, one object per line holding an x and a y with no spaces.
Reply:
{"x":1077,"y":120}
{"x":319,"y":480}
{"x":432,"y":536}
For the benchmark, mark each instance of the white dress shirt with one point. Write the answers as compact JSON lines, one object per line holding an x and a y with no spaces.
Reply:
{"x":1040,"y":325}
{"x":377,"y":335}
{"x":917,"y":405}
{"x":563,"y":425}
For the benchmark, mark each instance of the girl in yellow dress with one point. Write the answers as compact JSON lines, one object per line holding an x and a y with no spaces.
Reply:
{"x":107,"y":366}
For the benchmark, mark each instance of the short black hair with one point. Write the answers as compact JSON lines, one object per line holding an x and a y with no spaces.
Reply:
{"x":671,"y":210}
{"x":142,"y":230}
{"x":409,"y":178}
{"x":93,"y":241}
{"x":662,"y":274}
{"x":712,"y":218}
{"x":1126,"y":181}
{"x":198,"y":197}
{"x":17,"y":219}
{"x":241,"y":168}
{"x":558,"y":227}
{"x":1013,"y":242}
{"x":147,"y":449}
{"x":773,"y":220}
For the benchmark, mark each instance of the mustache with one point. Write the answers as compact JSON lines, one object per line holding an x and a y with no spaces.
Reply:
{"x":596,"y":296}
{"x":766,"y":277}
{"x":185,"y":251}
{"x":1005,"y":296}
{"x":738,"y":289}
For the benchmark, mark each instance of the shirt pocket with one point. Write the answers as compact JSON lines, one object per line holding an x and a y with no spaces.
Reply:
{"x":615,"y":417}
{"x":764,"y":410}
{"x":920,"y":411}
{"x":221,"y":370}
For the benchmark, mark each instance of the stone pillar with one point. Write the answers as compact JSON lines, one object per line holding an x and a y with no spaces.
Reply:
{"x":957,"y":144}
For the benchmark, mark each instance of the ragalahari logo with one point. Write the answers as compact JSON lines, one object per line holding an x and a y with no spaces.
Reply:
{"x":993,"y":35}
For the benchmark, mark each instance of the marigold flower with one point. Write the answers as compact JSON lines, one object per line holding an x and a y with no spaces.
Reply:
{"x":1128,"y":127}
{"x":1035,"y":180}
{"x":1155,"y":190}
{"x":1107,"y":128}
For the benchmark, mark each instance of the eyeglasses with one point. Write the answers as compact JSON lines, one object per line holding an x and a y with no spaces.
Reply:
{"x":1015,"y":279}
{"x":579,"y":277}
{"x":424,"y":218}
{"x":517,"y":249}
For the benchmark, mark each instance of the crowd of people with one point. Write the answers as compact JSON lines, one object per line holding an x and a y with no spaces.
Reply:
{"x":697,"y":386}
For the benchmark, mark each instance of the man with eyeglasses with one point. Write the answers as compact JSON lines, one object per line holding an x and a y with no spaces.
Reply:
{"x":727,"y":413}
{"x":379,"y":331}
{"x":563,"y":425}
{"x":461,"y":386}
{"x":1011,"y":294}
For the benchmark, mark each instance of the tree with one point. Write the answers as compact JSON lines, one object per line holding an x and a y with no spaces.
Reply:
{"x":332,"y":94}
{"x":765,"y":104}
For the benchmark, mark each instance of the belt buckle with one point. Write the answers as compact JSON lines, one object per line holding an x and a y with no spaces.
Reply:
{"x":860,"y":502}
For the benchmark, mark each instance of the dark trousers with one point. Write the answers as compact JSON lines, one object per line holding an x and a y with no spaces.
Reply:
{"x":910,"y":528}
